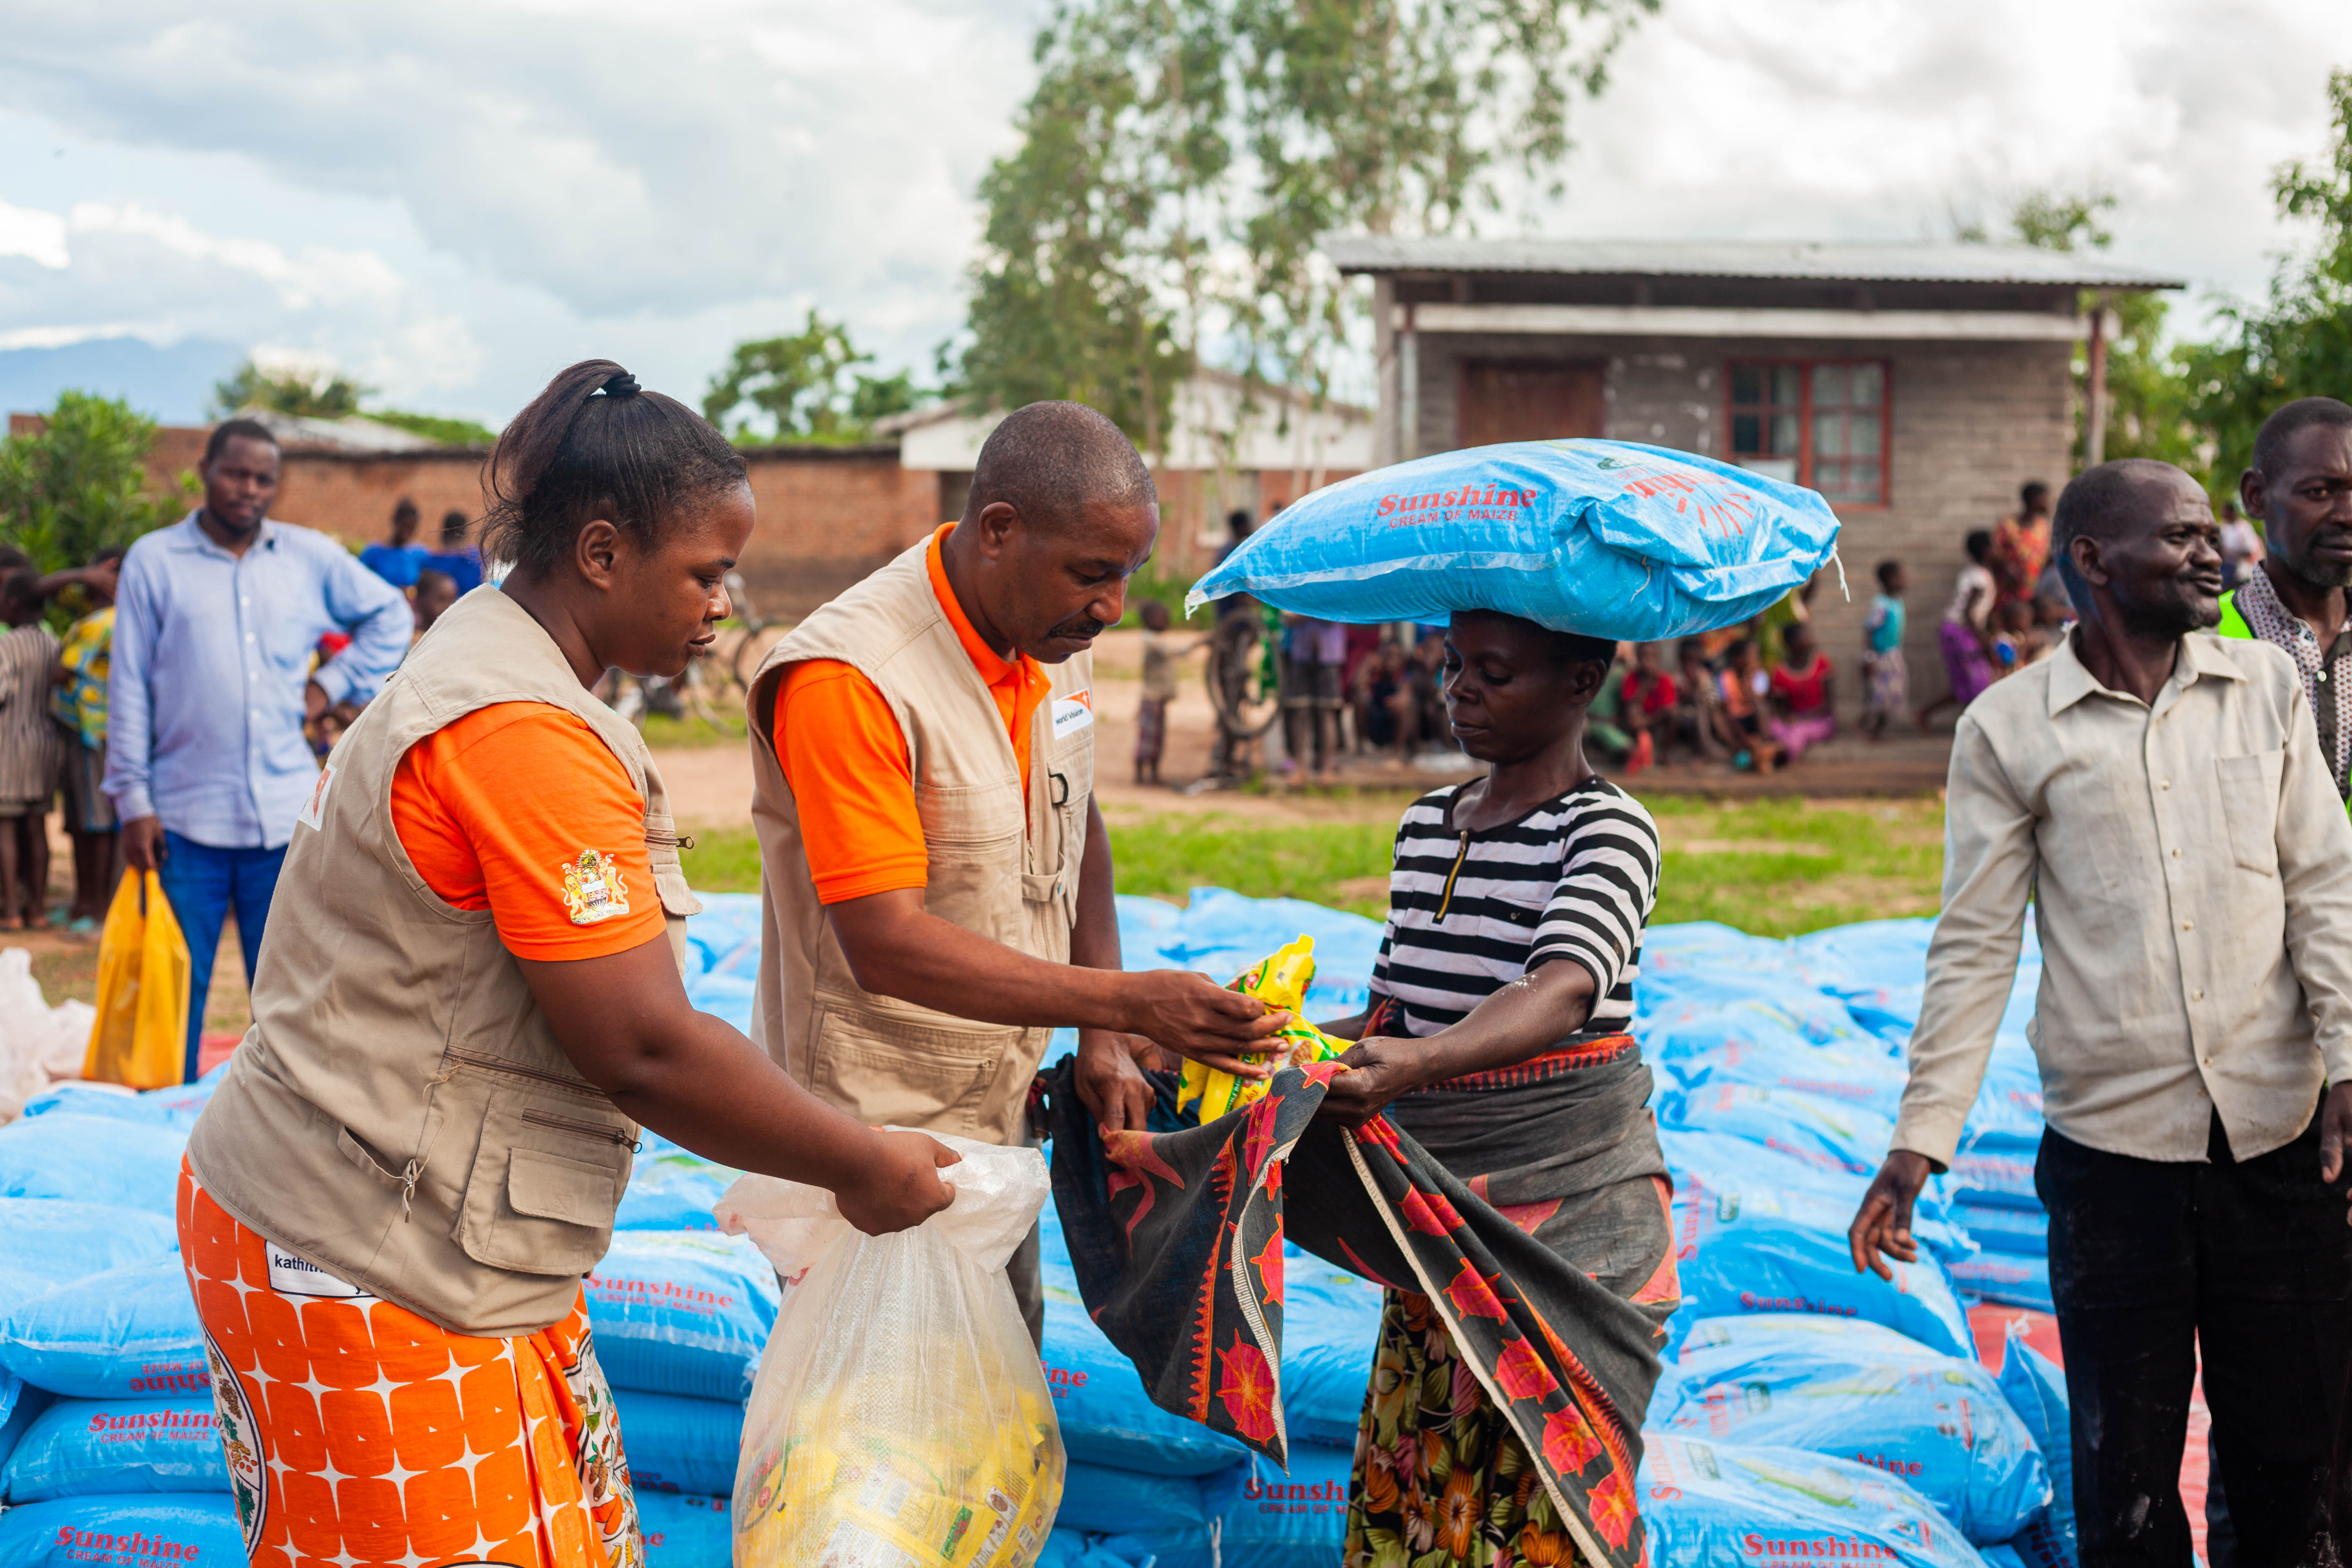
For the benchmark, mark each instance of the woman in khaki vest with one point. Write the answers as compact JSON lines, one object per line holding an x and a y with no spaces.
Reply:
{"x":470,"y":1002}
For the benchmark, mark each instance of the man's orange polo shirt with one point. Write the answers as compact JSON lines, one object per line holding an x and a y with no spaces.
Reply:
{"x":846,"y":758}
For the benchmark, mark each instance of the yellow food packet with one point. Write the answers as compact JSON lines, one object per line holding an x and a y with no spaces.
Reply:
{"x":1280,"y":980}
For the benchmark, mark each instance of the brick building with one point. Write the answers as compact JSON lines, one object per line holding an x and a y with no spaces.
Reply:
{"x":1916,"y":387}
{"x":829,"y":515}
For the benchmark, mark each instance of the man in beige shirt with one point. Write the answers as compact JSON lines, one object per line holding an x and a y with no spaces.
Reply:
{"x":2159,"y":795}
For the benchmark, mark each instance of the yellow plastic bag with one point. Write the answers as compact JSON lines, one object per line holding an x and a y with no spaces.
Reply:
{"x":1280,"y":981}
{"x":141,"y":1038}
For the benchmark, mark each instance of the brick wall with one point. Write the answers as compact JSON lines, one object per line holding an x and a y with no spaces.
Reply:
{"x":1971,"y":422}
{"x":827,"y":515}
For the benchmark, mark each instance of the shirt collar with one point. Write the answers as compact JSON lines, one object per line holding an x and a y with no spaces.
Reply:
{"x":193,"y":537}
{"x":993,"y":669}
{"x":2071,"y":680}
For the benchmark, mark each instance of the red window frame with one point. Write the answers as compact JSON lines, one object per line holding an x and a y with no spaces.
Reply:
{"x":1805,"y":411}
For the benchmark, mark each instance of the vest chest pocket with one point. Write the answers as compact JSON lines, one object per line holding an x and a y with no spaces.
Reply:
{"x":909,"y":1074}
{"x":545,"y":1181}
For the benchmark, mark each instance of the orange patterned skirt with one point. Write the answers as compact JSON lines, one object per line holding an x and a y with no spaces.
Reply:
{"x":356,"y":1432}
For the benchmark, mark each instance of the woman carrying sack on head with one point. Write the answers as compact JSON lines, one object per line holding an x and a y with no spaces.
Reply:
{"x":1486,"y":1152}
{"x":471,"y":999}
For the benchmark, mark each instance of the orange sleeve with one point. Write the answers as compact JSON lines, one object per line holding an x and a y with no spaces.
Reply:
{"x":496,"y":812}
{"x":845,"y":759}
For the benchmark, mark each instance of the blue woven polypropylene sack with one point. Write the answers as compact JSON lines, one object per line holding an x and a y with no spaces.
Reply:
{"x":682,"y":1312}
{"x":45,"y":1242}
{"x":92,"y":1160}
{"x":1066,"y":1548}
{"x":1105,"y":1416}
{"x":2006,"y":1280}
{"x":672,"y":1192}
{"x":1744,"y":1181}
{"x":1258,"y":1516}
{"x":1103,"y":1501}
{"x":2036,"y":1390}
{"x":680,"y":1445}
{"x":1735,"y":1261}
{"x":1861,"y":1391}
{"x":1330,"y":1328}
{"x":1828,"y":1134}
{"x":20,"y":1404}
{"x":1606,"y":538}
{"x":1714,"y":1505}
{"x":683,"y":1531}
{"x":127,"y":1333}
{"x":82,"y":1447}
{"x":2018,"y":1232}
{"x":131,"y":1530}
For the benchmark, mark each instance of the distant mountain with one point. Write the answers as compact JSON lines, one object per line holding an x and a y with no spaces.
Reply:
{"x":170,"y":386}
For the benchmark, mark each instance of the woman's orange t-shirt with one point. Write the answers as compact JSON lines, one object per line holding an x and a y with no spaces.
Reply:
{"x":521,"y":808}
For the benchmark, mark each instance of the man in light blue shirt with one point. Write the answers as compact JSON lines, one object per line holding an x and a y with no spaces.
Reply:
{"x":217,"y":622}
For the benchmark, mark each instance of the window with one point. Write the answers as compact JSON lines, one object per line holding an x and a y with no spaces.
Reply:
{"x":1822,"y":423}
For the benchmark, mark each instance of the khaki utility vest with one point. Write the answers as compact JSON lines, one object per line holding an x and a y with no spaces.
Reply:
{"x":1003,"y":867}
{"x":400,"y":1114}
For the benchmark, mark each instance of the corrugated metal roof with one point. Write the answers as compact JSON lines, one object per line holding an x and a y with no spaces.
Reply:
{"x":1837,"y":260}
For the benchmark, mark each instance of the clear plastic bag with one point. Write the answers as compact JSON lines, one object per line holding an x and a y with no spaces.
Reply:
{"x":899,"y":1417}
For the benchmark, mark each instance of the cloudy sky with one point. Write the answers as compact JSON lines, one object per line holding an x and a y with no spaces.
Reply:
{"x":451,"y":201}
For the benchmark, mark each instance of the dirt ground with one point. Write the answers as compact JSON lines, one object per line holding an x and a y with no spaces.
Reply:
{"x":712,"y":787}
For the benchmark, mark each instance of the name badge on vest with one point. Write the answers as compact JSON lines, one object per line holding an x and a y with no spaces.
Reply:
{"x":1074,"y":712}
{"x":313,"y":814}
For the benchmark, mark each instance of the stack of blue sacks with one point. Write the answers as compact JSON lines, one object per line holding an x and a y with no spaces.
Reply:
{"x":1779,"y":1069}
{"x":106,"y":1414}
{"x":1802,"y":1403}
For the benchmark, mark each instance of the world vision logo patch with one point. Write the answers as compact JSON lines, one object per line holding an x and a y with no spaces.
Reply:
{"x":592,"y":888}
{"x":1074,"y":712}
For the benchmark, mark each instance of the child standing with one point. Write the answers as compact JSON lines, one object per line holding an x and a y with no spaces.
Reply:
{"x":31,"y":752}
{"x":79,"y":705}
{"x":1886,"y":682}
{"x":1160,"y":655}
{"x":1966,"y":636}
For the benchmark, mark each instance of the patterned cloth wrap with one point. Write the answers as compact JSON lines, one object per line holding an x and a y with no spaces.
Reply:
{"x":1176,"y":1234}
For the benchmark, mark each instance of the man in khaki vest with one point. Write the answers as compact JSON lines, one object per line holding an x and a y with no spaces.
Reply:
{"x":936,"y":879}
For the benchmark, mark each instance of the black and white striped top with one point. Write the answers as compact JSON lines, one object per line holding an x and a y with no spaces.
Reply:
{"x":1469,"y":912}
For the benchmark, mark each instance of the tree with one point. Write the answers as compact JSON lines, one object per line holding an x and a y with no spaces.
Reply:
{"x":804,"y":387}
{"x":1180,"y":160}
{"x":440,"y":428}
{"x":329,"y":395}
{"x":2298,"y":341}
{"x":2147,"y":392}
{"x":82,"y":484}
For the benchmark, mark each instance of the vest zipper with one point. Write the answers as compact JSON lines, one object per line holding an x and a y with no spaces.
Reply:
{"x":499,"y":1064}
{"x":583,"y":1128}
{"x":1446,"y":901}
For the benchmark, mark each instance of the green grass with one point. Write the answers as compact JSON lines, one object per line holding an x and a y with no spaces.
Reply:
{"x":724,"y":860}
{"x":1773,"y":868}
{"x":1782,"y":868}
{"x":665,"y":733}
{"x":1335,"y":863}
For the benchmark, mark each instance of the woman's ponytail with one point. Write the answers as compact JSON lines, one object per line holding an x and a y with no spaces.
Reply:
{"x":595,"y":443}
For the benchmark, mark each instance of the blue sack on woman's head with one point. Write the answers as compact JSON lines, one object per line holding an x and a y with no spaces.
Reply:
{"x":1605,"y":538}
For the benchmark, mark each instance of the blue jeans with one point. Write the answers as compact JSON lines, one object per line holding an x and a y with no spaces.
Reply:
{"x":202,"y":884}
